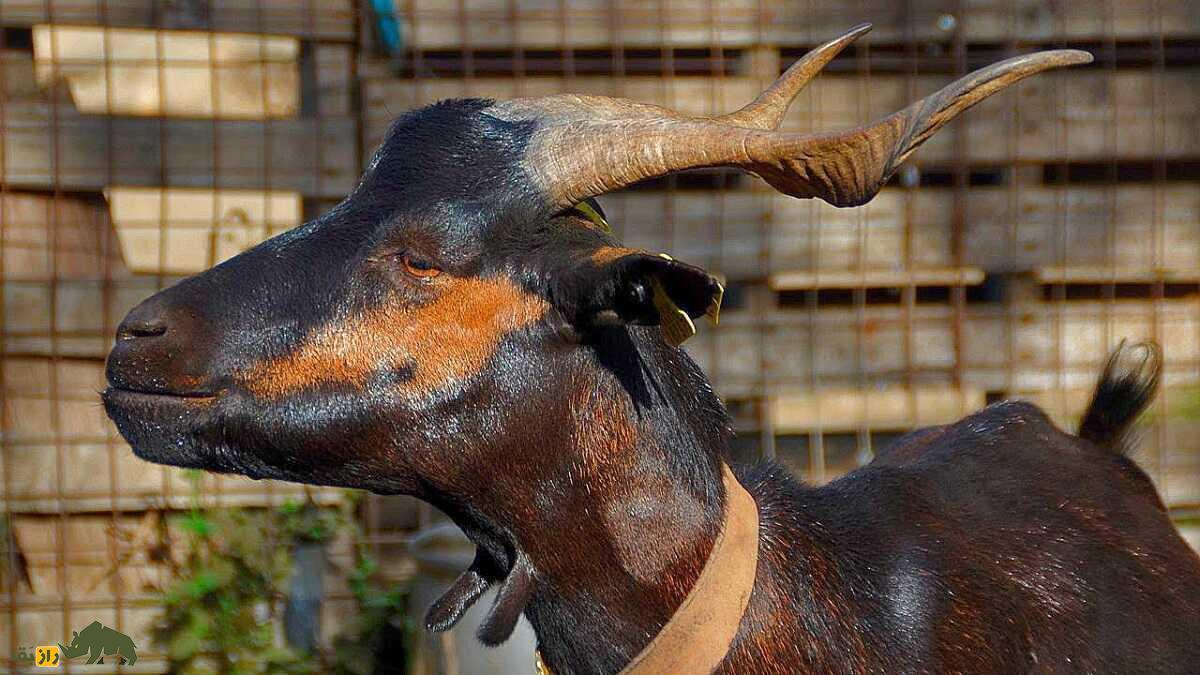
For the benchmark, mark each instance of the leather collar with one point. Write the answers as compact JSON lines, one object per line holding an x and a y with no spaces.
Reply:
{"x":697,"y":637}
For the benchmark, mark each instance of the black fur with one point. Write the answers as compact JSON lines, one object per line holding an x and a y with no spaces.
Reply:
{"x":1126,"y":387}
{"x":583,"y":459}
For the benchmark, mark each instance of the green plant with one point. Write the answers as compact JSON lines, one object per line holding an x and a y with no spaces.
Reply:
{"x":381,"y":619}
{"x":226,"y":594}
{"x":220,"y":610}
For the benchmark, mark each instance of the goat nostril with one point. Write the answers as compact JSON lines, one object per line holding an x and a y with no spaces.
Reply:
{"x":142,"y":330}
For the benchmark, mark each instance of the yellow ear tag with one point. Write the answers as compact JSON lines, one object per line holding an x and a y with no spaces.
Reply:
{"x":714,"y":309}
{"x":594,"y":216}
{"x":676,"y":325}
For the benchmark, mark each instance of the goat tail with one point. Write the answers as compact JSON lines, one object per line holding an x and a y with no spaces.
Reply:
{"x":1126,"y":387}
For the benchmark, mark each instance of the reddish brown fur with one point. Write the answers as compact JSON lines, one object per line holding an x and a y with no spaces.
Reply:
{"x":447,"y":340}
{"x":606,"y":254}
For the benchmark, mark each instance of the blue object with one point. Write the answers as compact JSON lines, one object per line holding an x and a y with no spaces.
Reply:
{"x":386,"y":25}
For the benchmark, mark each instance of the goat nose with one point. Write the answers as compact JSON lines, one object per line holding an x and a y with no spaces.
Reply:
{"x":141,"y":327}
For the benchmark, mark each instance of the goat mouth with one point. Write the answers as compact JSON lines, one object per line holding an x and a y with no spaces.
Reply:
{"x":160,"y":395}
{"x":164,"y":427}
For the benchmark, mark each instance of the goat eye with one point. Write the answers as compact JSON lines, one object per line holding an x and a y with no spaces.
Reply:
{"x":419,"y":267}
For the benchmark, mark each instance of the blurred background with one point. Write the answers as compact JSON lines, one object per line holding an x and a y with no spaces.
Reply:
{"x":141,"y":141}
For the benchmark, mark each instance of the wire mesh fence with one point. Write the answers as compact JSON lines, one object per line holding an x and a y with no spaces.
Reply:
{"x":142,"y":141}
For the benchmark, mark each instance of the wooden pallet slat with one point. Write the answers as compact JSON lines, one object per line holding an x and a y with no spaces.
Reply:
{"x":313,"y":19}
{"x":162,"y":73}
{"x":591,"y":23}
{"x":187,"y":230}
{"x":893,"y":408}
{"x":75,"y":152}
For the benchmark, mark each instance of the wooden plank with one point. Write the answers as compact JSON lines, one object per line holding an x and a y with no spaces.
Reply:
{"x":745,"y":233}
{"x":188,"y":230}
{"x":163,"y":73}
{"x":868,"y":278}
{"x":314,"y":19}
{"x":688,"y":23}
{"x":1126,"y":226}
{"x":1087,"y":115}
{"x":719,"y":230}
{"x":62,"y":453}
{"x":429,"y":24}
{"x":70,"y":318}
{"x":892,"y":408}
{"x":64,"y":237}
{"x":1051,"y":345}
{"x":1095,"y":274}
{"x":316,"y":157}
{"x":836,"y":346}
{"x":1064,"y":344}
{"x":1035,"y":20}
{"x":335,"y":86}
{"x":19,"y":82}
{"x":1066,"y":114}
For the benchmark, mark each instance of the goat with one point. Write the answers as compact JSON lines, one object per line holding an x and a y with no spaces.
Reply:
{"x":465,"y":328}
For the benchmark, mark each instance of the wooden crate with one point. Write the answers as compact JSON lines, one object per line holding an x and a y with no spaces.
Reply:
{"x":314,"y":19}
{"x":1055,"y":345}
{"x":73,"y":318}
{"x":751,"y":233}
{"x":877,"y":409}
{"x":63,"y":237}
{"x":65,"y":285}
{"x":316,"y":157}
{"x":429,"y":24}
{"x":1025,"y":346}
{"x":835,"y":347}
{"x":722,"y":231}
{"x":62,"y":454}
{"x":187,"y":230}
{"x":689,"y":23}
{"x":16,"y":68}
{"x":1071,"y":114}
{"x":1035,"y":20}
{"x":1128,"y":226}
{"x":169,"y":73}
{"x":746,"y":233}
{"x":1089,"y":115}
{"x":1080,"y":334}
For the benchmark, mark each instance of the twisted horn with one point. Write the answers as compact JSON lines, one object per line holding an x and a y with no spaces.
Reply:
{"x":585,"y":146}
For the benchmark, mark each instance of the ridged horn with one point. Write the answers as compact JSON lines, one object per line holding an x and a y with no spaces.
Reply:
{"x":586,"y":146}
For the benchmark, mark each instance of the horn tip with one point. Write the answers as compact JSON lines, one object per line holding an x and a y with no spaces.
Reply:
{"x":1064,"y":57}
{"x":1078,"y":56}
{"x":864,"y":27}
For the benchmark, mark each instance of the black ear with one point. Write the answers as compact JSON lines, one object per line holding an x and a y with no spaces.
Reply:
{"x":626,"y":286}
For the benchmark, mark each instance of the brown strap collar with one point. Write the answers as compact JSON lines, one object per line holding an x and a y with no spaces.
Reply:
{"x":697,"y":637}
